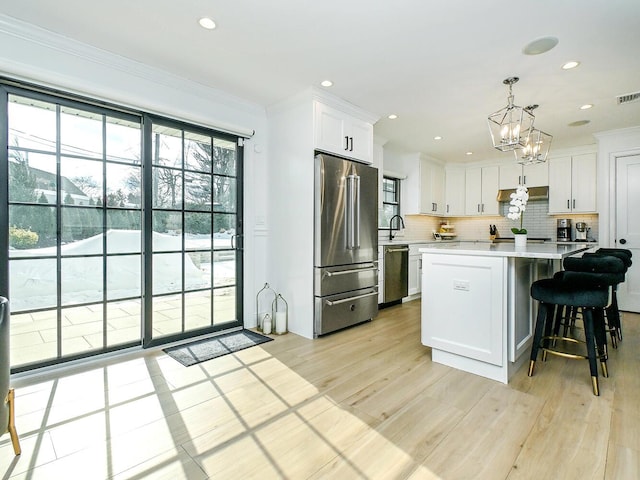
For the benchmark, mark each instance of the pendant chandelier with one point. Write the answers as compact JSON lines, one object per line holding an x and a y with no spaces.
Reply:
{"x":510,"y":126}
{"x":536,"y":147}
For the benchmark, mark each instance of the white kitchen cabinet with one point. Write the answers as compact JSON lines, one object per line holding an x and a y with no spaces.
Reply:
{"x":424,"y":186}
{"x":454,"y":191}
{"x":481,"y":190}
{"x":415,"y":270}
{"x":572,"y":184}
{"x":340,"y":133}
{"x":514,"y":174}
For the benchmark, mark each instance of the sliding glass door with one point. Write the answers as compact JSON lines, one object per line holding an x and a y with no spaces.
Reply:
{"x":122,"y":228}
{"x":193,"y":212}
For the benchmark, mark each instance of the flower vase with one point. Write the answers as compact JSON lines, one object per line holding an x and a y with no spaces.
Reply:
{"x":521,"y":240}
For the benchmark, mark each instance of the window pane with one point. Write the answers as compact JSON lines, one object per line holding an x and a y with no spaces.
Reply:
{"x":123,"y":231}
{"x":32,"y":124}
{"x":81,"y":181}
{"x":82,"y":329}
{"x":81,"y":224}
{"x":197,"y":312}
{"x":197,"y":152}
{"x":224,"y":227}
{"x":167,"y":146}
{"x":33,"y":284}
{"x":31,"y":227}
{"x":167,"y":273}
{"x":197,"y":269}
{"x":167,"y":315}
{"x":32,"y":177}
{"x":124,"y":277}
{"x":125,"y":321}
{"x":197,"y":231}
{"x":224,"y":157}
{"x":124,"y":141}
{"x":197,"y":192}
{"x":388,"y":211}
{"x":167,"y":228}
{"x":224,"y":268}
{"x":80,"y":133}
{"x":224,"y":194}
{"x":33,"y":336}
{"x":81,"y":280}
{"x":123,"y":186}
{"x":224,"y":305}
{"x":167,"y":188}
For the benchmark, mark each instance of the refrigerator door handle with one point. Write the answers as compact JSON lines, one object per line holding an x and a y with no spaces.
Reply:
{"x":353,"y":211}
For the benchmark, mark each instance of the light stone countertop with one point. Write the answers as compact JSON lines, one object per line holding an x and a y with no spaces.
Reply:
{"x":553,"y":251}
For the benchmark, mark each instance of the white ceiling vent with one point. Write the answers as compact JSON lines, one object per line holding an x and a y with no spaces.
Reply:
{"x":628,"y":98}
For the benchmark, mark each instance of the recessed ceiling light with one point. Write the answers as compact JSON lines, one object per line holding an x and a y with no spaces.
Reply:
{"x":437,"y":137}
{"x":570,"y":65}
{"x":393,"y":116}
{"x":326,"y":83}
{"x":540,"y":45}
{"x":586,"y":106}
{"x":206,"y":22}
{"x":579,"y":123}
{"x":469,"y":153}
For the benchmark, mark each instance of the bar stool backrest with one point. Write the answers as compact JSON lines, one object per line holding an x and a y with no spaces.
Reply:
{"x":622,"y":253}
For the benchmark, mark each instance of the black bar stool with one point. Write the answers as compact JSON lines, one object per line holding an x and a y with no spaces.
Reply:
{"x":586,"y":286}
{"x":613,"y":312}
{"x":567,"y":316}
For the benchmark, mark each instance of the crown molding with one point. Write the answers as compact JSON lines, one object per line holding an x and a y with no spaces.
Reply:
{"x":48,"y":40}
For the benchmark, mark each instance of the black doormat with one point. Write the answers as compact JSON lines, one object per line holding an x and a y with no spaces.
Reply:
{"x":202,"y":350}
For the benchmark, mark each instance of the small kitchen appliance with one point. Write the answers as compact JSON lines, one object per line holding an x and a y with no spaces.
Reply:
{"x":581,"y":231}
{"x":564,"y":230}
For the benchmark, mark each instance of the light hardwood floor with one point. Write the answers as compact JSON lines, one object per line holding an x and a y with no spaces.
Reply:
{"x":365,"y":403}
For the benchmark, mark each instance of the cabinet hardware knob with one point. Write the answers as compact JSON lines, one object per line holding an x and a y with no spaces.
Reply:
{"x":623,"y":241}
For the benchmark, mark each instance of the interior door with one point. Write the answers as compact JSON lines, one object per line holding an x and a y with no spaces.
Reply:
{"x":628,"y":227}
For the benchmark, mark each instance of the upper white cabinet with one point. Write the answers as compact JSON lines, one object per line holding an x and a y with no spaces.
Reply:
{"x":424,"y":186}
{"x":572,"y":184}
{"x":454,"y":191}
{"x":481,"y":190}
{"x":514,"y":174}
{"x":337,"y":132}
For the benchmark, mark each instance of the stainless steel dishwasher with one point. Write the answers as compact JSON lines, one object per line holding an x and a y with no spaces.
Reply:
{"x":396,"y":273}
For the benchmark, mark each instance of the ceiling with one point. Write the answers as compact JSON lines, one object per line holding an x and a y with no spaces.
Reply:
{"x":438,"y":65}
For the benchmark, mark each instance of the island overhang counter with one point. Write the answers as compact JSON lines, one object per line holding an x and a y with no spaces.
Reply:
{"x":476,"y":313}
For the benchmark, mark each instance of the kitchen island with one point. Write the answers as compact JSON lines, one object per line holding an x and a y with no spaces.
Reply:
{"x":477,"y":313}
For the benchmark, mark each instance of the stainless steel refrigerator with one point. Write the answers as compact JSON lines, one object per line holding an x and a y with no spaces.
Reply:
{"x":345,"y":243}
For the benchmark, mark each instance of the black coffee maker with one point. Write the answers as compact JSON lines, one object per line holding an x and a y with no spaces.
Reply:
{"x":564,"y":230}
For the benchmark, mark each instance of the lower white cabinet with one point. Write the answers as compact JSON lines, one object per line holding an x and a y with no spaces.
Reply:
{"x":415,"y":269}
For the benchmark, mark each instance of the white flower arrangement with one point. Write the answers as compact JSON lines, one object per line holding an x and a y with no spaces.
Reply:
{"x":518,"y":206}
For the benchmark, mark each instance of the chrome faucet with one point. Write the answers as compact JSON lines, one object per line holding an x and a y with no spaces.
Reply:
{"x":401,"y":222}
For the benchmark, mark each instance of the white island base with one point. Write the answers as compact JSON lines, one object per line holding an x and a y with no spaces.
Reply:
{"x":477,"y":313}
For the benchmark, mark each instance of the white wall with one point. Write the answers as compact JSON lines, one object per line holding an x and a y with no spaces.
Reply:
{"x":38,"y":56}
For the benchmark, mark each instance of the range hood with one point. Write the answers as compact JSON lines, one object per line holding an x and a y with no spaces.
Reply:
{"x":535,"y":193}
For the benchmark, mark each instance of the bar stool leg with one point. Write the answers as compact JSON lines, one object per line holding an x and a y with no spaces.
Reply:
{"x":587,"y":314}
{"x":544,"y":310}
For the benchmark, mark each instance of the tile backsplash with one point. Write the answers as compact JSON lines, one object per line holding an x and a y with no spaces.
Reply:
{"x":536,"y":220}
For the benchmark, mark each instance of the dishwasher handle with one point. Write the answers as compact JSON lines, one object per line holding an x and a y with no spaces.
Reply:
{"x":394,"y":250}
